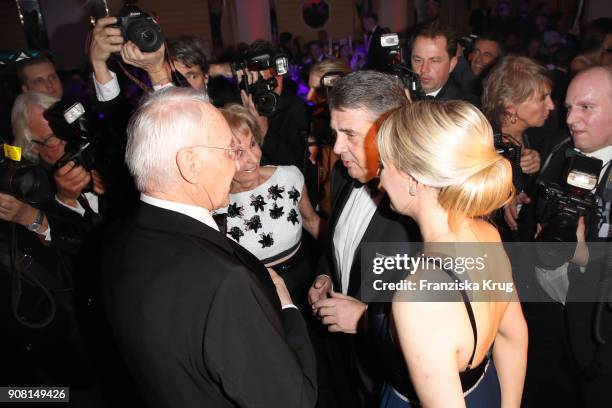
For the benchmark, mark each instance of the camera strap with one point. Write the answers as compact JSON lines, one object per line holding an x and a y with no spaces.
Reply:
{"x":550,"y":156}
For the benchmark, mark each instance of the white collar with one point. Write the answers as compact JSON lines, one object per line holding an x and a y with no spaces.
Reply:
{"x":198,"y":213}
{"x":604,"y":154}
{"x":434,"y":93}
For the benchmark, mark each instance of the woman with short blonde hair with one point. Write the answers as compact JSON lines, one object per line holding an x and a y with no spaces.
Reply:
{"x":516,"y":100}
{"x":439,"y":166}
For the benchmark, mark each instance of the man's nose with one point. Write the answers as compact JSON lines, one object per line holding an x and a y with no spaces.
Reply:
{"x":340,"y":145}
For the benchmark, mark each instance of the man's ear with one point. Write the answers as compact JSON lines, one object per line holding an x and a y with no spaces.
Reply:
{"x":453,"y":63}
{"x":24,"y":88}
{"x":188,"y":165}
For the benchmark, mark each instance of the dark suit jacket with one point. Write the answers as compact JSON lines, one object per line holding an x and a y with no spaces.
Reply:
{"x":385,"y":226}
{"x":451,"y":90}
{"x":198,"y":321}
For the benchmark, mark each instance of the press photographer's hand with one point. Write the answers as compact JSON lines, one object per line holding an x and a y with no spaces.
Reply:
{"x":70,"y":181}
{"x":530,"y":161}
{"x":14,"y":210}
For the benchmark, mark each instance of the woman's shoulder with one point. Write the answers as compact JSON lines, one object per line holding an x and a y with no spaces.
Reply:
{"x":289,"y":174}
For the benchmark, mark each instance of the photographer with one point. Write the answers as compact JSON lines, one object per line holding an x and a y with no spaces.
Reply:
{"x":433,"y":57}
{"x":570,"y":353}
{"x":40,"y":243}
{"x":286,"y":129}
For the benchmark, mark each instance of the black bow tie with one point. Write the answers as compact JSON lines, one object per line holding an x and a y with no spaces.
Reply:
{"x":221,"y":221}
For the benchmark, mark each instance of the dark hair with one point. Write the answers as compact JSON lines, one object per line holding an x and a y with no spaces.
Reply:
{"x":496,"y":38}
{"x":259,"y":47}
{"x":23,"y":64}
{"x":436,"y":29}
{"x":189,"y":50}
{"x":373,"y":91}
{"x":285,"y":38}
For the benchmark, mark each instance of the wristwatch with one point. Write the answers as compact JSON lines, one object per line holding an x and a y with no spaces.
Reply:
{"x":37,"y":223}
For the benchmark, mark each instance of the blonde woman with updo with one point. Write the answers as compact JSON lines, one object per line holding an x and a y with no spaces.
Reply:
{"x":439,"y":166}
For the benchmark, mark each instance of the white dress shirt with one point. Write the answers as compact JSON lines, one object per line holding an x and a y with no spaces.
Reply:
{"x":352,"y":224}
{"x":198,"y":213}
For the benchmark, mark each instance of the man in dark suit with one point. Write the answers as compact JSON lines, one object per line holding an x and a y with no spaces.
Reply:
{"x":570,"y":335}
{"x":360,"y":216}
{"x":377,"y":56}
{"x":197,"y":318}
{"x":433,"y":58}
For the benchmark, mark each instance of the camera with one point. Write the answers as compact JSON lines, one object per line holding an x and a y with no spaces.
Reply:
{"x":25,"y":181}
{"x":140,"y":28}
{"x":467,"y":43}
{"x":512,"y":152}
{"x":559,"y":207}
{"x":69,"y":122}
{"x":262,"y":89}
{"x":411,"y":81}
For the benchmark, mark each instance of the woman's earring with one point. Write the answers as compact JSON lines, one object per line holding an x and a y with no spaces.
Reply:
{"x":412,"y":190}
{"x":513,"y":119}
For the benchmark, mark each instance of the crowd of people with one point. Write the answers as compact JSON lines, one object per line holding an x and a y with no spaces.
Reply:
{"x":200,"y":231}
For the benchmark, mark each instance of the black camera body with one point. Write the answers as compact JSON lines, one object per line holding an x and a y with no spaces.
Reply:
{"x":69,"y":122}
{"x":262,"y":90}
{"x":468,"y":43}
{"x":140,"y":28}
{"x":512,"y":152}
{"x":560,"y":205}
{"x":410,"y":79}
{"x":25,"y":181}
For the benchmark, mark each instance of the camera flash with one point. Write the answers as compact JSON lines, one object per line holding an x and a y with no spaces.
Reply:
{"x":73,"y":113}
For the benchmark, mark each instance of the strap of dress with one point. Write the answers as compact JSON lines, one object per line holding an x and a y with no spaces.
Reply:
{"x":468,"y":306}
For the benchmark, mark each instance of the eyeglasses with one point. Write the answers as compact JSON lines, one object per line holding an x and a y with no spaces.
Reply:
{"x":47,"y":142}
{"x":235,"y":153}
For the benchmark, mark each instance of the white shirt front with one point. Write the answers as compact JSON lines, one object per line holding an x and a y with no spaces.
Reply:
{"x":198,"y":213}
{"x":352,"y":224}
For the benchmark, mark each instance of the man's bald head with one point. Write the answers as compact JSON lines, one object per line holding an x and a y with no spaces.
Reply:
{"x":589,"y":108}
{"x":164,"y":123}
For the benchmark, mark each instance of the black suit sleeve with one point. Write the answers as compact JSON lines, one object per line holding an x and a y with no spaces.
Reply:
{"x":257,"y":358}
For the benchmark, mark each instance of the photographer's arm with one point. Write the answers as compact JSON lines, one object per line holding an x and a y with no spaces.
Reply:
{"x":105,"y":41}
{"x":153,"y":63}
{"x":14,"y":210}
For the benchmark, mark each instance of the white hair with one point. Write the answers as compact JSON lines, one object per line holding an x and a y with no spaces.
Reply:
{"x":20,"y":119}
{"x":165,"y":122}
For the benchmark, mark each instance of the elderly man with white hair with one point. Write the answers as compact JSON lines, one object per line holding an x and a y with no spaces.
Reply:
{"x":198,"y":319}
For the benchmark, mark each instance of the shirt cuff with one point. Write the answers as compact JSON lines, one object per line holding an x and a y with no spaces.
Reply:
{"x":79,"y":209}
{"x":108,"y":91}
{"x":47,"y":234}
{"x":290,"y":306}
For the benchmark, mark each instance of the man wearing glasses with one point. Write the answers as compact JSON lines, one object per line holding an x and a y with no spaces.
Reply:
{"x":197,"y":318}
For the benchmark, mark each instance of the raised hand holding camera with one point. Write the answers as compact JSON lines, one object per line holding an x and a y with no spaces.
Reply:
{"x":71,"y":180}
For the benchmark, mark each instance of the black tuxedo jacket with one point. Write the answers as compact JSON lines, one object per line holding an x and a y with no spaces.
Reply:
{"x":198,"y":320}
{"x":451,"y":90}
{"x":385,"y":226}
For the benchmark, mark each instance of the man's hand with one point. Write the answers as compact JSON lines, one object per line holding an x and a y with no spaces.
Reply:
{"x":340,"y":313}
{"x":319,"y":290}
{"x":105,"y":40}
{"x":247,"y":102}
{"x":152,"y":62}
{"x":511,"y":211}
{"x":281,"y":288}
{"x":70,"y":182}
{"x":14,"y":210}
{"x":530,"y":161}
{"x":99,"y":185}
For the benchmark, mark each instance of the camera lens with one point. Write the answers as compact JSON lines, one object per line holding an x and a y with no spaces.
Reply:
{"x":146,"y":35}
{"x":265,"y":103}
